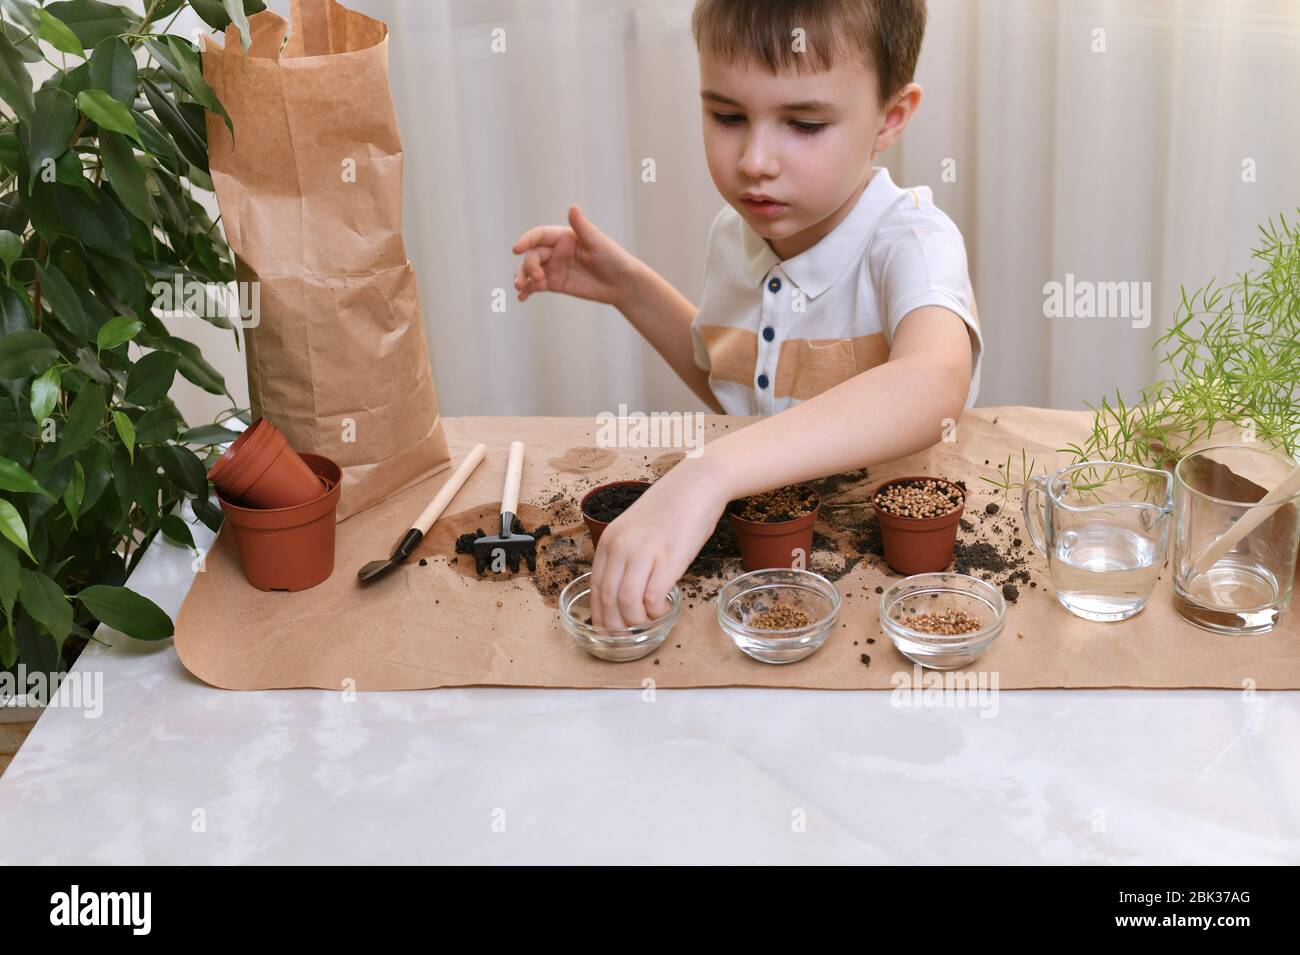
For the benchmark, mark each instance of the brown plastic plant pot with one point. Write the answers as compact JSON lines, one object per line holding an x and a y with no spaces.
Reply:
{"x":781,"y":544}
{"x":289,"y":548}
{"x":259,"y":469}
{"x":595,"y":527}
{"x":918,"y":545}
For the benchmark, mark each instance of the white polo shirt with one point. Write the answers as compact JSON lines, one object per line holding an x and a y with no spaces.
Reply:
{"x":773,"y":332}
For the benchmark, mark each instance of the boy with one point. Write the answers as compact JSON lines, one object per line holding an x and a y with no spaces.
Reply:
{"x":835,"y":303}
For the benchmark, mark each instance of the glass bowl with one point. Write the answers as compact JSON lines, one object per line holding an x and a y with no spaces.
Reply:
{"x":619,"y":644}
{"x":942,"y":593}
{"x":750,"y":594}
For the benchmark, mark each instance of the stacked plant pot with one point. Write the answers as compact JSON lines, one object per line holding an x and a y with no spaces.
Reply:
{"x":281,"y":506}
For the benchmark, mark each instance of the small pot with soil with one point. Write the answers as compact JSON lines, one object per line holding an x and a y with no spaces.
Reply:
{"x":918,"y":519}
{"x":775,"y":528}
{"x":602,"y":504}
{"x":289,"y":548}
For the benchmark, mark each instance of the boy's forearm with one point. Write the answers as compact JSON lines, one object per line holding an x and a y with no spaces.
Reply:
{"x":858,"y":423}
{"x":663,"y":316}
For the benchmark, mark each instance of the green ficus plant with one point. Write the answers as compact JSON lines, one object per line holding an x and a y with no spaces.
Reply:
{"x":102,"y":152}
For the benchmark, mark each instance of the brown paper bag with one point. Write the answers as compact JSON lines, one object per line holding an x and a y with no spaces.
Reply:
{"x":310,"y":190}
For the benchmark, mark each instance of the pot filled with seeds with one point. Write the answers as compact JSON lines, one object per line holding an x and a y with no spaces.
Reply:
{"x":918,"y":519}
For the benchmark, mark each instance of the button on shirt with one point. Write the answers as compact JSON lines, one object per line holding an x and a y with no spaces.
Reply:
{"x":773,"y":332}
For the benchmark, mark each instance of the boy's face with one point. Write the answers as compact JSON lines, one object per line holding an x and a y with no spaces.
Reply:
{"x":805,"y":141}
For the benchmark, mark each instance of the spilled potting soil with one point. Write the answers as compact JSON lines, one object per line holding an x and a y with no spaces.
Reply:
{"x":989,"y":543}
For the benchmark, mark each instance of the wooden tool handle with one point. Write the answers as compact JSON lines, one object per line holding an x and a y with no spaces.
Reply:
{"x":1248,"y":522}
{"x":448,"y":490}
{"x":514,"y":471}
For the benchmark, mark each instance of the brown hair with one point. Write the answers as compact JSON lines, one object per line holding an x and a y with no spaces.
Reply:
{"x":885,"y":33}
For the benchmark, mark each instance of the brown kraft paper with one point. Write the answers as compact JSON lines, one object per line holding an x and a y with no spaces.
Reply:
{"x":310,"y":190}
{"x":439,"y":625}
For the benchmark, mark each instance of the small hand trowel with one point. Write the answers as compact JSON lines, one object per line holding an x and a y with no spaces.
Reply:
{"x":412,"y":538}
{"x":499,"y":551}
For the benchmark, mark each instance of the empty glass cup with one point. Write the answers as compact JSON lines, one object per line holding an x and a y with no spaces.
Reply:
{"x":1248,"y":588}
{"x":1104,"y":527}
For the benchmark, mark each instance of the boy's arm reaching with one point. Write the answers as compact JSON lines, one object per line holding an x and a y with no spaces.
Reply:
{"x":882,"y":414}
{"x":663,"y":316}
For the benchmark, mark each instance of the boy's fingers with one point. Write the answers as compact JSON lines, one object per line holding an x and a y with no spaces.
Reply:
{"x":656,"y":594}
{"x":608,"y":585}
{"x":542,"y":235}
{"x":583,"y":226}
{"x":631,"y":592}
{"x":599,"y":569}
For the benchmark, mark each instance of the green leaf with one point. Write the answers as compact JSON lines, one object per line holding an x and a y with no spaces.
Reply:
{"x":75,"y":492}
{"x":108,"y":113}
{"x":14,"y":477}
{"x":156,"y":426}
{"x":184,"y":468}
{"x":25,"y":13}
{"x":84,"y":419}
{"x":127,"y":611}
{"x":126,"y":431}
{"x":91,"y":217}
{"x":98,"y":478}
{"x":51,"y":131}
{"x":235,"y":10}
{"x":150,"y":378}
{"x":15,"y":315}
{"x":194,"y":366}
{"x":177,"y":530}
{"x":63,"y":301}
{"x":26,"y":44}
{"x":15,"y":81}
{"x":191,"y":140}
{"x":117,"y":331}
{"x":26,"y":353}
{"x":113,"y":70}
{"x":92,"y":21}
{"x":13,"y":528}
{"x":158,"y":143}
{"x":209,"y":434}
{"x":45,"y":394}
{"x":130,"y":178}
{"x":8,"y":579}
{"x":44,"y":600}
{"x":180,"y":61}
{"x":11,"y":248}
{"x":56,"y":33}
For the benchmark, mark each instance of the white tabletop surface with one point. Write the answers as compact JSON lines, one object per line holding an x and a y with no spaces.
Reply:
{"x":175,"y":771}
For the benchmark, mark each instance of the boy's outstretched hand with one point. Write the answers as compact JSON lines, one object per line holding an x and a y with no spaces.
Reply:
{"x":649,"y":546}
{"x":577,"y":259}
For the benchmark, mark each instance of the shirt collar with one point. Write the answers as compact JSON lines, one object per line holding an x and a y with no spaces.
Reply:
{"x":814,"y":269}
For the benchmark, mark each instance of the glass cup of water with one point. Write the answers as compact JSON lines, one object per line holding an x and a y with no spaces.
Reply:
{"x":1104,"y":527}
{"x":1248,"y":588}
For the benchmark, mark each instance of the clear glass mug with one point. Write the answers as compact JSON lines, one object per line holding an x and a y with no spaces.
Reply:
{"x":1104,"y":527}
{"x":1249,"y":588}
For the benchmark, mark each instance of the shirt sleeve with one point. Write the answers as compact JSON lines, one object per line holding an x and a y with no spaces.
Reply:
{"x":918,"y":258}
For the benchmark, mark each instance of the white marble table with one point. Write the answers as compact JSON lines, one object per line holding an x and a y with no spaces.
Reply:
{"x":174,"y":771}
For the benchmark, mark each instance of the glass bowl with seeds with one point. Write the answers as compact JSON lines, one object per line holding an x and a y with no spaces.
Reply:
{"x":778,"y":615}
{"x":942,"y":621}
